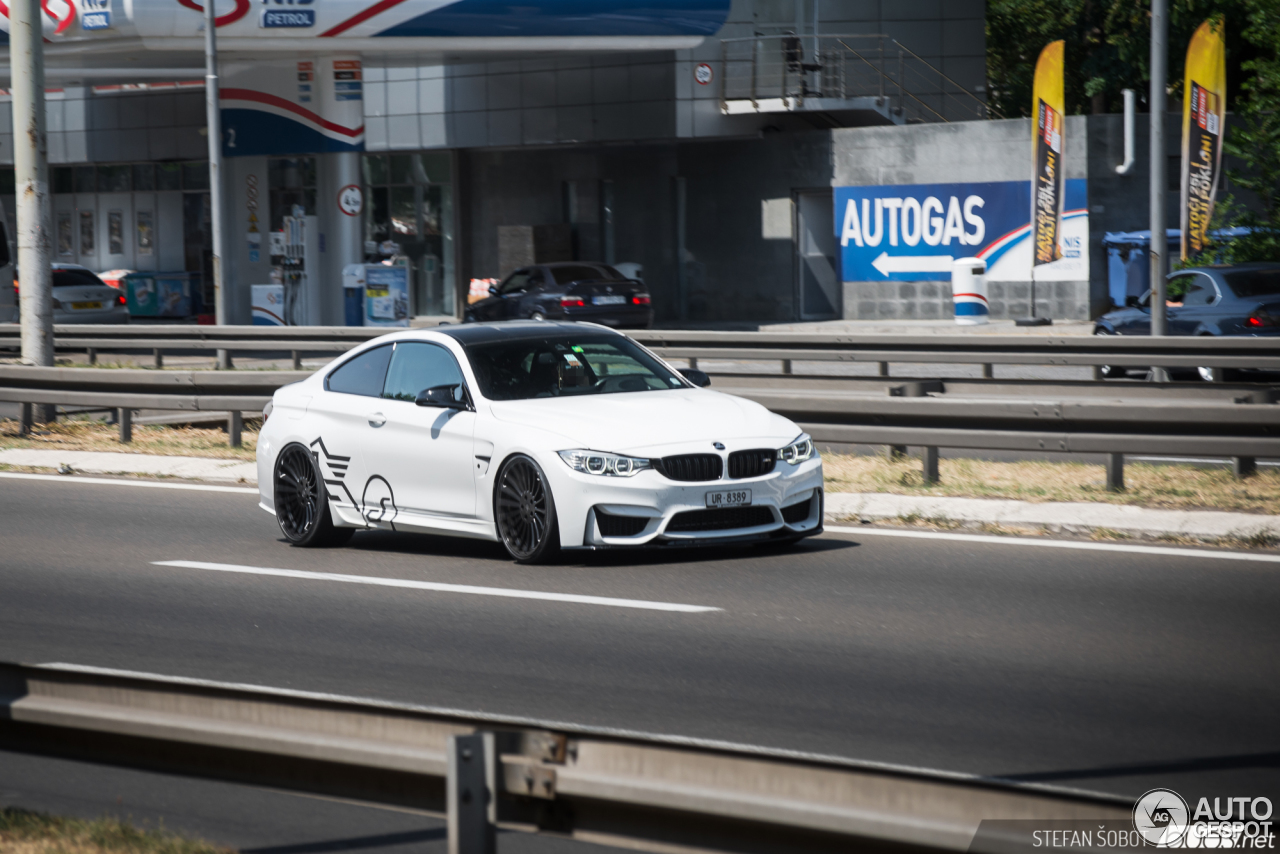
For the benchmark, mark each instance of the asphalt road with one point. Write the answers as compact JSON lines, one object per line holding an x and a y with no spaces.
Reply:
{"x":1114,"y":671}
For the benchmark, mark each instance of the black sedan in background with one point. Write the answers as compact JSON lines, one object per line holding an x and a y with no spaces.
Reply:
{"x":1239,"y":300}
{"x":576,"y":290}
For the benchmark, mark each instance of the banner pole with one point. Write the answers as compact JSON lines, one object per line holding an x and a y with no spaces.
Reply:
{"x":1159,"y":164}
{"x":213,"y":120}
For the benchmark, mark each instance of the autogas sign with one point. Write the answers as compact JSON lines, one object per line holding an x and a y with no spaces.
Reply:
{"x":912,"y":232}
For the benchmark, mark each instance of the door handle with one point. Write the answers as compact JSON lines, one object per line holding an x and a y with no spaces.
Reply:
{"x":377,"y":419}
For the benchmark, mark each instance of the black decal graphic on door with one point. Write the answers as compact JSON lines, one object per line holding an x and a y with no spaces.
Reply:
{"x":379,"y":503}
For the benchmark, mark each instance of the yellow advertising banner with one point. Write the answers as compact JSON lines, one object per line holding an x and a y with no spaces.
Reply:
{"x":1204,"y":112}
{"x":1047,"y":175}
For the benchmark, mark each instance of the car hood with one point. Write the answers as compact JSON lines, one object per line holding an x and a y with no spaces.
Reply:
{"x":640,"y":421}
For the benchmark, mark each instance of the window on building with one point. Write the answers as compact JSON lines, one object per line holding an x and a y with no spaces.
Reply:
{"x":168,"y":176}
{"x":114,"y":179}
{"x":86,"y":233}
{"x":62,"y":178}
{"x":86,"y":179}
{"x":409,"y":211}
{"x":66,"y":240}
{"x":115,"y":233}
{"x":195,"y":176}
{"x":144,"y":177}
{"x":146,"y":233}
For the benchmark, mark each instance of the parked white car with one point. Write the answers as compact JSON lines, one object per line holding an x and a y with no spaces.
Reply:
{"x":540,"y":435}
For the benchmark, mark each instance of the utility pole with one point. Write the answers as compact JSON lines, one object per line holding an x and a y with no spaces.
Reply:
{"x":213,"y":120}
{"x":1159,"y":163}
{"x":31,"y":176}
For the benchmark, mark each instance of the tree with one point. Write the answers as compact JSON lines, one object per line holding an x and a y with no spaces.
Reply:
{"x":1255,"y":141}
{"x":1108,"y":48}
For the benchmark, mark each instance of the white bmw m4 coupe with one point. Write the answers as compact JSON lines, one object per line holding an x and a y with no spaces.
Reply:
{"x":539,"y":435}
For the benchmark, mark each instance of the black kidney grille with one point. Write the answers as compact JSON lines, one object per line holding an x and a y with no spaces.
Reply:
{"x":620,"y":526}
{"x":720,"y":519}
{"x":752,"y":463}
{"x":692,"y":467}
{"x":797,"y":513}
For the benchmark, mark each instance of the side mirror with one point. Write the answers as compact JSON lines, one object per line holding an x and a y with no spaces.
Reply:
{"x":1132,"y":301}
{"x":697,"y":377}
{"x":493,"y":290}
{"x":443,"y":396}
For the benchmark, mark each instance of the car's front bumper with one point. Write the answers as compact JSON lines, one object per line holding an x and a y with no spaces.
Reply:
{"x":582,"y":500}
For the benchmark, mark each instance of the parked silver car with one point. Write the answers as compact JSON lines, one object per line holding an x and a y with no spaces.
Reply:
{"x":79,"y":296}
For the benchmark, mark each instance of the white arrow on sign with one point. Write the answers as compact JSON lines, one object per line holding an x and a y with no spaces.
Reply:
{"x":887,"y":263}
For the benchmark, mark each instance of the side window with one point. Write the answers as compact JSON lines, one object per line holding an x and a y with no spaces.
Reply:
{"x":363,"y":374}
{"x":1201,"y":292}
{"x":518,"y":281}
{"x":4,"y":245}
{"x":417,"y":366}
{"x":1176,"y":289}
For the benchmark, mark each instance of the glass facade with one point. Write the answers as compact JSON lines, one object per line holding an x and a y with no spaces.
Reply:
{"x":409,"y":212}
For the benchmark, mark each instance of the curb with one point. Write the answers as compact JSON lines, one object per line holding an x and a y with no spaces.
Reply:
{"x":1085,"y":518}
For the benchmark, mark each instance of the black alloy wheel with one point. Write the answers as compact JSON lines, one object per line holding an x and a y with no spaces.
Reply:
{"x":525,"y":512}
{"x":302,"y":501}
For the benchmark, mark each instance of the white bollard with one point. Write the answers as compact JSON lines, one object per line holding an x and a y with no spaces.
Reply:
{"x":969,"y":291}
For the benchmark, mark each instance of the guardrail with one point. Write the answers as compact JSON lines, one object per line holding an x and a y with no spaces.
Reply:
{"x":784,"y":347}
{"x":643,"y":791}
{"x":1241,"y":422}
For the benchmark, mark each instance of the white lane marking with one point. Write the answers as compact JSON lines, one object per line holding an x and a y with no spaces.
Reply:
{"x":581,"y":729}
{"x":506,"y":592}
{"x":1053,"y":544}
{"x":150,"y":484}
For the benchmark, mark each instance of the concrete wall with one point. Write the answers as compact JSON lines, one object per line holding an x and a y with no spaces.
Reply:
{"x":954,"y":153}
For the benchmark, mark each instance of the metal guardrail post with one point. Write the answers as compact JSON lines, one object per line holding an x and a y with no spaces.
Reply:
{"x":93,"y":355}
{"x":786,"y":366}
{"x":159,"y":354}
{"x":471,"y":793}
{"x":1242,"y":467}
{"x":235,"y":427}
{"x":930,"y":465}
{"x":1115,"y":472}
{"x":297,"y":359}
{"x":988,"y":371}
{"x":125,"y":416}
{"x":883,"y":369}
{"x":896,"y":452}
{"x":24,"y":419}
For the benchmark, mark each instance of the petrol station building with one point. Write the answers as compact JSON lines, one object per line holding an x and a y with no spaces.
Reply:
{"x":701,"y":140}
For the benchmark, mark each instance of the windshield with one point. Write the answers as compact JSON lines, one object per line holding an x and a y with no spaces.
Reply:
{"x":567,"y":365}
{"x":1254,"y":283}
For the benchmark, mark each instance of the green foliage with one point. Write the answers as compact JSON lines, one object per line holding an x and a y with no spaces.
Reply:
{"x":1108,"y":48}
{"x":1255,"y":140}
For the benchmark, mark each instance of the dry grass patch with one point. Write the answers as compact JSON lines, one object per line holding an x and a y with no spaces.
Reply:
{"x":25,"y":832}
{"x":1165,"y":486}
{"x":147,"y":439}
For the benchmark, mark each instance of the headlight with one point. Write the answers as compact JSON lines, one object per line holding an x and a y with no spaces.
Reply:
{"x":608,"y":465}
{"x":798,"y":451}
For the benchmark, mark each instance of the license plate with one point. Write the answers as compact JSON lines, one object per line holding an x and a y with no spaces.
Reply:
{"x":84,"y":305}
{"x":614,"y":300}
{"x":730,"y":498}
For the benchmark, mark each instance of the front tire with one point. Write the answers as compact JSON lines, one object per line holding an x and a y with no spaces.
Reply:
{"x":524,"y":511}
{"x":302,"y":501}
